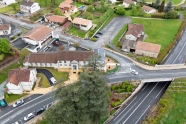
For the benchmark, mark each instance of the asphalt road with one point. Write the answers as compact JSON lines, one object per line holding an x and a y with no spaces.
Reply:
{"x":136,"y":109}
{"x":47,"y":73}
{"x":19,"y":113}
{"x":178,"y":54}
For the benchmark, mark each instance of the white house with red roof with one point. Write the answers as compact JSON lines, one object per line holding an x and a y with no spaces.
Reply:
{"x":83,"y":24}
{"x":127,"y":3}
{"x":148,"y":9}
{"x":20,"y":80}
{"x":5,"y":29}
{"x":29,"y":6}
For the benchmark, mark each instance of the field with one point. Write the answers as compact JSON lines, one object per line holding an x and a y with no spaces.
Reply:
{"x":171,"y":109}
{"x":159,"y":31}
{"x":9,"y":9}
{"x":174,"y":2}
{"x":48,"y":2}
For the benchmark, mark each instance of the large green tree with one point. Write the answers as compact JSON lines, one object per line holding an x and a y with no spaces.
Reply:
{"x":120,"y":11}
{"x":134,"y":11}
{"x":169,"y":7}
{"x":161,"y":7}
{"x":84,"y":102}
{"x":4,"y":46}
{"x":157,"y":3}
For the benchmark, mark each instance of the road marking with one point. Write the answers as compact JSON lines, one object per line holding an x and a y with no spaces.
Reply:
{"x":140,"y":103}
{"x":125,"y":108}
{"x":179,"y":52}
{"x":142,"y":114}
{"x":161,"y":90}
{"x":145,"y":86}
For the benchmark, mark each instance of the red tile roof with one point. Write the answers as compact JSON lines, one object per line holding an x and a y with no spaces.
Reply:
{"x":147,"y":8}
{"x":4,"y":27}
{"x":38,"y":33}
{"x":18,"y":75}
{"x":128,"y":1}
{"x":148,"y":46}
{"x":56,"y":18}
{"x":81,"y":21}
{"x":135,"y":29}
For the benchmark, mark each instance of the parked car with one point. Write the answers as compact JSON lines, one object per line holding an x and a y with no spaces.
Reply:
{"x":53,"y":80}
{"x":134,"y":72}
{"x":28,"y":117}
{"x":21,"y":12}
{"x":16,"y":122}
{"x":2,"y":103}
{"x":18,"y":103}
{"x":100,"y":32}
{"x":96,"y":36}
{"x":39,"y":111}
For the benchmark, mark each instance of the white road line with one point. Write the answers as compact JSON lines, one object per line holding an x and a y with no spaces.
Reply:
{"x":145,"y":86}
{"x":179,"y":52}
{"x":140,"y":103}
{"x":142,"y":114}
{"x":125,"y":109}
{"x":160,"y":91}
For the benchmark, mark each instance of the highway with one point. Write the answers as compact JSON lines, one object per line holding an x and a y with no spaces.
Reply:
{"x":137,"y":108}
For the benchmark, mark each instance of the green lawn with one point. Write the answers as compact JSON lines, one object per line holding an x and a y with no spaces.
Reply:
{"x":77,"y":32}
{"x":77,"y":4}
{"x":59,"y":75}
{"x":9,"y":10}
{"x":4,"y":72}
{"x":44,"y":81}
{"x":171,"y":109}
{"x":174,"y":2}
{"x":48,"y":3}
{"x":39,"y":14}
{"x":159,"y":31}
{"x":13,"y":97}
{"x":128,"y":13}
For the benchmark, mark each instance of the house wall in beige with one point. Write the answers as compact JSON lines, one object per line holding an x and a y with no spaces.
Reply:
{"x":146,"y":53}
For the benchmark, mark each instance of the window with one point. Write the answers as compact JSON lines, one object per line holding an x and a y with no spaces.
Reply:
{"x":5,"y":32}
{"x":84,"y":62}
{"x":65,"y":62}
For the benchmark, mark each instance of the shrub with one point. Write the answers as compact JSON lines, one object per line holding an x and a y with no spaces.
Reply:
{"x":90,"y":9}
{"x":61,"y":48}
{"x":94,"y":39}
{"x":1,"y":56}
{"x":157,"y":15}
{"x":76,"y":45}
{"x":119,"y":90}
{"x":110,"y":94}
{"x":113,"y":87}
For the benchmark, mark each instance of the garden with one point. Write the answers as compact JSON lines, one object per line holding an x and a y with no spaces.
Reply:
{"x":44,"y":83}
{"x":170,"y":109}
{"x":119,"y":93}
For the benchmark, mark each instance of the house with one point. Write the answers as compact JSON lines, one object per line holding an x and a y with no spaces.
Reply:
{"x":37,"y":37}
{"x":81,"y":23}
{"x":128,"y":45}
{"x":67,"y":6}
{"x":148,"y":9}
{"x":29,"y":6}
{"x":147,"y":49}
{"x":127,"y":3}
{"x":20,"y":80}
{"x":61,"y":60}
{"x":5,"y":29}
{"x":112,"y":1}
{"x":55,"y":19}
{"x":7,"y":2}
{"x":135,"y":32}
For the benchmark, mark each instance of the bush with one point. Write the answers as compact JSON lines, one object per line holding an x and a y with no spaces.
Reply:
{"x":119,"y":90}
{"x":1,"y":56}
{"x":120,"y":11}
{"x":171,"y":15}
{"x":110,"y":94}
{"x":90,"y":9}
{"x":94,"y":39}
{"x":157,"y":15}
{"x":76,"y":45}
{"x":113,"y":87}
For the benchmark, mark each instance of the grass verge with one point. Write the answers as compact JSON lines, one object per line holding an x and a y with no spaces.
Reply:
{"x":77,"y":32}
{"x":44,"y":81}
{"x":13,"y":97}
{"x":58,"y":75}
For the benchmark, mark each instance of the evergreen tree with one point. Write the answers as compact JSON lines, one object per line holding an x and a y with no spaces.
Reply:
{"x":84,"y":102}
{"x":157,"y":3}
{"x":161,"y":7}
{"x":169,"y":7}
{"x":134,"y":11}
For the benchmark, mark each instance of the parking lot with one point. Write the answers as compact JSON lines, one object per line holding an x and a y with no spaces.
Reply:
{"x":19,"y":43}
{"x":112,"y":29}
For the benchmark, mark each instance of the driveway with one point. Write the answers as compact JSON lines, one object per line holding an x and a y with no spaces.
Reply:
{"x":19,"y":43}
{"x":47,"y":73}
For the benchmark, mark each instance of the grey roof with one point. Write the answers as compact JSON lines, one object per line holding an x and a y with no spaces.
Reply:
{"x":128,"y":43}
{"x":27,"y":3}
{"x":101,"y":53}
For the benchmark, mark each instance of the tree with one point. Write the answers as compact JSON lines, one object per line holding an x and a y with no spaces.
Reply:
{"x":171,"y":15}
{"x":141,"y":12}
{"x":57,"y":11}
{"x":90,"y":9}
{"x":134,"y":11}
{"x":161,"y":7}
{"x":4,"y":46}
{"x":157,"y":3}
{"x":169,"y":7}
{"x":14,"y":6}
{"x":120,"y":11}
{"x":83,"y":102}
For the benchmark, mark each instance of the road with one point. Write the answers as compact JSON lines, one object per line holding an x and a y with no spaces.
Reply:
{"x":178,"y":54}
{"x":137,"y":108}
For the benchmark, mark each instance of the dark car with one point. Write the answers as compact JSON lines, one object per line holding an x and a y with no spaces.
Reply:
{"x":100,"y":33}
{"x":21,"y":12}
{"x":96,"y":36}
{"x":39,"y":111}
